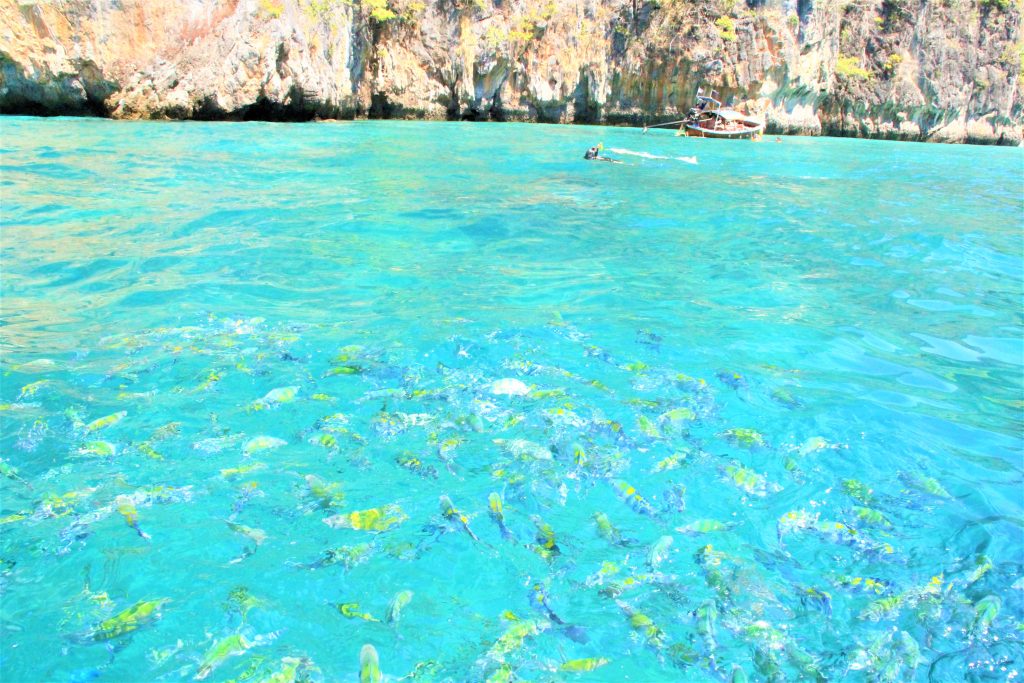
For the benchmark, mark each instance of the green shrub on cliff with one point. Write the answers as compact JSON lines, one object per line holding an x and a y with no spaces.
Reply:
{"x":531,"y":25}
{"x":523,"y":32}
{"x":849,"y":67}
{"x":379,"y":10}
{"x":891,"y":62}
{"x":726,"y":28}
{"x":271,"y":8}
{"x":1013,"y":57}
{"x":522,"y":29}
{"x":494,"y":37}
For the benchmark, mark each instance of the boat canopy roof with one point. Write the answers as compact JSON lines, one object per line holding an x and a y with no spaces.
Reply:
{"x":732,"y":115}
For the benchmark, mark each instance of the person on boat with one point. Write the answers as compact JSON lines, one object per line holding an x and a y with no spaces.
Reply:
{"x":594,"y":154}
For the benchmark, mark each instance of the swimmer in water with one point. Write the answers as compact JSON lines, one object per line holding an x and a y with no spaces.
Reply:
{"x":594,"y":154}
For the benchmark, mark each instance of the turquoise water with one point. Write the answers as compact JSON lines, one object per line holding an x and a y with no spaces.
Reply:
{"x":801,"y":362}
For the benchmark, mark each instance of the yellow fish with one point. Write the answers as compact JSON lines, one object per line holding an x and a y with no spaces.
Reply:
{"x":212,"y":377}
{"x":498,"y":515}
{"x":105,"y":421}
{"x":369,"y":665}
{"x":401,"y":599}
{"x":374,"y":519}
{"x":165,"y":432}
{"x":231,"y":646}
{"x":672,"y":462}
{"x":351,"y":610}
{"x":262,"y":443}
{"x":30,"y":390}
{"x":588,"y":664}
{"x":102,"y":449}
{"x":130,"y":514}
{"x":127,"y":621}
{"x":289,"y":671}
{"x":257,"y":536}
{"x":512,"y":639}
{"x":327,"y":494}
{"x":244,"y":469}
{"x":452,"y":514}
{"x":147,"y":450}
{"x":275,"y":397}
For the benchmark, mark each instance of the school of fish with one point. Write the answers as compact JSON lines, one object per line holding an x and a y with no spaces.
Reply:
{"x":596,"y":519}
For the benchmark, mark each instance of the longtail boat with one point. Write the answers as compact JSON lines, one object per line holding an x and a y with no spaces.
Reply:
{"x":709,"y":119}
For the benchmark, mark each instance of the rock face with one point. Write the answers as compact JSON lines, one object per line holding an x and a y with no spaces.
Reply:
{"x":938,"y":70}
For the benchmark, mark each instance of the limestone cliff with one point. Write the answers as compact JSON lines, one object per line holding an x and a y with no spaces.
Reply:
{"x":942,"y":70}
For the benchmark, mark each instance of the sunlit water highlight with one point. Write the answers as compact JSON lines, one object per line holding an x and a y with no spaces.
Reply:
{"x":804,"y":360}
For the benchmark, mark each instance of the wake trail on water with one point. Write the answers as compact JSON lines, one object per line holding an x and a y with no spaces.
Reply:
{"x":648,"y":155}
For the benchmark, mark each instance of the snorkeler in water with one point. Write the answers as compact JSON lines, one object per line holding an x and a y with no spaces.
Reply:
{"x":594,"y":154}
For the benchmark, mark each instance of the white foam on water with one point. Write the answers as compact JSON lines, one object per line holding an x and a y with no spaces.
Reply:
{"x":645,"y":155}
{"x":648,"y":155}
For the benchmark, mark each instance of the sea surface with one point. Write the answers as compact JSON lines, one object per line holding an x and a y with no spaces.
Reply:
{"x":272,"y":393}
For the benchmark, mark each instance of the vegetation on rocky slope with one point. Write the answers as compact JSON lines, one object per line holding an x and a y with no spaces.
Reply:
{"x":946,"y":70}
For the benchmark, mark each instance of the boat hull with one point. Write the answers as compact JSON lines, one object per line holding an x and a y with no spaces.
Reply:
{"x":693,"y":130}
